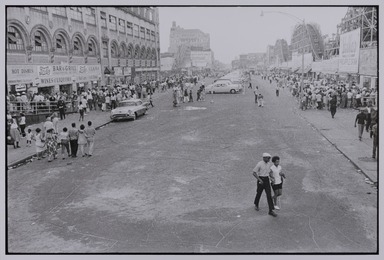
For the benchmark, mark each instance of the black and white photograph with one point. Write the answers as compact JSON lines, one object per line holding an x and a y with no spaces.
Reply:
{"x":190,"y":128}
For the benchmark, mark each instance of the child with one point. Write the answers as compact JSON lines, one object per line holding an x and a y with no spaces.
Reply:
{"x":276,"y":179}
{"x":64,"y":140}
{"x":260,"y":100}
{"x":29,"y":136}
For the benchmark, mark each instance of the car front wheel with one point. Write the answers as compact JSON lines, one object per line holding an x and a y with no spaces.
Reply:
{"x":135,"y":116}
{"x":232,"y":91}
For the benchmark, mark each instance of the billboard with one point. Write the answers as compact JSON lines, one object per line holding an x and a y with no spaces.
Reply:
{"x":349,"y":52}
{"x":368,"y":62}
{"x":201,"y":58}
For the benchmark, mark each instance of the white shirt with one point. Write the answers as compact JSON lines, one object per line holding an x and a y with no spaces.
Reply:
{"x":262,"y":169}
{"x":276,"y":174}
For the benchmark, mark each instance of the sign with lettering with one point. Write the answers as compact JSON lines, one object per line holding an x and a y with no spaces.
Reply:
{"x":118,"y":71}
{"x":349,"y":52}
{"x":127,"y":71}
{"x":17,"y":74}
{"x":49,"y":81}
{"x":143,"y":63}
{"x":137,"y":63}
{"x":368,"y":62}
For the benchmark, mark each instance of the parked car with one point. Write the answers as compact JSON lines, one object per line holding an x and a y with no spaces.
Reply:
{"x":129,"y":109}
{"x":223,"y":86}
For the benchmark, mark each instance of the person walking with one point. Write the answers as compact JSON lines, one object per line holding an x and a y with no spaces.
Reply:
{"x":277,"y":90}
{"x":276,"y":176}
{"x":256,"y":94}
{"x":29,"y":137}
{"x":61,"y":107}
{"x":73,"y":136}
{"x":261,"y":173}
{"x":90,"y":134}
{"x":81,"y":111}
{"x":360,"y":120}
{"x":47,"y":124}
{"x":55,"y":121}
{"x":82,"y":140}
{"x":333,"y":105}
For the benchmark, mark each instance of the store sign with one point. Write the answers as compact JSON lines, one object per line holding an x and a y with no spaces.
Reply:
{"x":317,"y":66}
{"x":118,"y":71}
{"x":368,"y":62}
{"x":143,"y":63}
{"x":130,"y":63}
{"x":17,"y":74}
{"x":49,"y":81}
{"x":21,"y":87}
{"x":349,"y":51}
{"x":330,"y":66}
{"x":127,"y":71}
{"x":137,"y":63}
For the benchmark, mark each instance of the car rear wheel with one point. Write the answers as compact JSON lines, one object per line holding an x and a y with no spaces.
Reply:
{"x":232,"y":91}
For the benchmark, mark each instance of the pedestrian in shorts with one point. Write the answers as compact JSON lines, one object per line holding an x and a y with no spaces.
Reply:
{"x":276,"y":175}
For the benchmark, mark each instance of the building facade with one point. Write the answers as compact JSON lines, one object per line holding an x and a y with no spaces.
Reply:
{"x":187,"y":37}
{"x":51,"y":49}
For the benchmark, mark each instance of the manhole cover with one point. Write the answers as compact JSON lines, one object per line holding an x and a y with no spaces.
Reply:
{"x":367,"y":159}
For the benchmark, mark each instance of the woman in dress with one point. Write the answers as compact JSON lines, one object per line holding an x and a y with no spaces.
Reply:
{"x":15,"y":133}
{"x":39,"y":143}
{"x":51,"y":142}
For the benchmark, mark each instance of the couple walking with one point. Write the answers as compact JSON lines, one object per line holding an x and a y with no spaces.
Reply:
{"x":267,"y":175}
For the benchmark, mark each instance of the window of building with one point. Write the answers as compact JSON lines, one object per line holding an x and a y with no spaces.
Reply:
{"x":40,"y":43}
{"x":141,"y":10}
{"x":76,"y":13}
{"x":43,"y":9}
{"x":121,"y":25}
{"x":60,"y":45}
{"x":15,"y":42}
{"x":59,"y":11}
{"x":152,"y":35}
{"x":105,"y":49}
{"x":77,"y":47}
{"x":150,"y":15}
{"x":142,"y":32}
{"x":103,"y":19}
{"x":90,"y":15}
{"x":114,"y":51}
{"x":148,"y":36}
{"x":136,"y":30}
{"x":129,"y":28}
{"x":91,"y":48}
{"x":112,"y":22}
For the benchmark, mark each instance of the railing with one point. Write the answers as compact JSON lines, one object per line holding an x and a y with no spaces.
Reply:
{"x":39,"y":107}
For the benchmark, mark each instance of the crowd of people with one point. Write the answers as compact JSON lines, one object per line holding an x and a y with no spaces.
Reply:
{"x":329,"y":95}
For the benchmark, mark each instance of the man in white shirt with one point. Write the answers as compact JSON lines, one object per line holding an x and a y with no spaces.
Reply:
{"x":261,"y":173}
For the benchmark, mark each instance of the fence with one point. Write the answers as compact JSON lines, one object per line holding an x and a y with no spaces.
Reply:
{"x":39,"y":107}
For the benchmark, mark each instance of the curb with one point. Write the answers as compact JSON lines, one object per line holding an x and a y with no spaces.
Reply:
{"x":334,"y":145}
{"x":29,"y":158}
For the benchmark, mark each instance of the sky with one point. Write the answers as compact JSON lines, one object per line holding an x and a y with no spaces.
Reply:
{"x":240,"y":30}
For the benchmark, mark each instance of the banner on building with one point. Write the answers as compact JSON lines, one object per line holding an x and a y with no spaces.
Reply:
{"x":118,"y":71}
{"x":18,"y":74}
{"x":331,"y":66}
{"x":349,"y":52}
{"x":127,"y":71}
{"x":368,"y":62}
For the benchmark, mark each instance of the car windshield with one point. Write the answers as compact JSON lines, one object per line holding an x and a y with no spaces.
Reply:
{"x":127,"y":104}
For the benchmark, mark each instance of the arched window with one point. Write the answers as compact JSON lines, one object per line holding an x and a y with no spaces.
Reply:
{"x":143,"y":53}
{"x":130,"y":51}
{"x":39,"y":42}
{"x":149,"y":53}
{"x":77,"y":47}
{"x":61,"y":46}
{"x":91,"y":48}
{"x":137,"y":52}
{"x":114,"y":51}
{"x":153,"y":54}
{"x":15,"y":42}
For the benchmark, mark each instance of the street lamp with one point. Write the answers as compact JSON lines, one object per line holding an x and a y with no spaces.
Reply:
{"x":302,"y":54}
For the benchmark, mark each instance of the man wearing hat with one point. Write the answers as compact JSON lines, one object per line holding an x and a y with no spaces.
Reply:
{"x":261,"y":173}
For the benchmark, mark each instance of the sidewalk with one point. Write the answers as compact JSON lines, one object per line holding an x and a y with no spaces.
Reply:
{"x":98,"y":118}
{"x":341,"y":132}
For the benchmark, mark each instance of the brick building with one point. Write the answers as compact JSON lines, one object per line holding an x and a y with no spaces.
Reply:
{"x":51,"y":49}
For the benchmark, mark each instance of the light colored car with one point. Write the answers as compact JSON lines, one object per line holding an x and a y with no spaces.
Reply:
{"x":129,"y":109}
{"x":223,"y":86}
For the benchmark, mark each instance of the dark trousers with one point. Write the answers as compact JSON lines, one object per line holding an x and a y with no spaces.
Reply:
{"x":74,"y":146}
{"x":62,"y":113}
{"x":333,"y":111}
{"x":260,"y":188}
{"x":22,"y":128}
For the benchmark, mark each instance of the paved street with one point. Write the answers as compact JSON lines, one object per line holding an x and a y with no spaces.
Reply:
{"x":180,"y":180}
